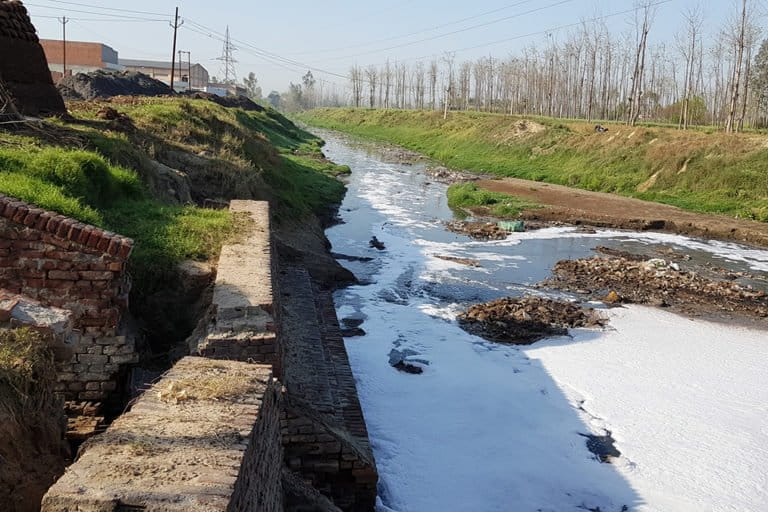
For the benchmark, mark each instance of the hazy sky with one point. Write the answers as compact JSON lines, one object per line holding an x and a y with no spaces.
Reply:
{"x":334,"y":34}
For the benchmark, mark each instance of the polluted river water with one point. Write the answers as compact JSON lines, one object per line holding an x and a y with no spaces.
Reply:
{"x":655,"y":412}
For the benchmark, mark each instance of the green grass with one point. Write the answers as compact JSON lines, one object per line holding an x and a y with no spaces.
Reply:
{"x":469,"y":196}
{"x":85,"y":186}
{"x":724,"y":174}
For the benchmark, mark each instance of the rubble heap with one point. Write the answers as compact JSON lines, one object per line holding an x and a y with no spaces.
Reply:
{"x":23,"y":67}
{"x":478,"y":230}
{"x":657,"y":283}
{"x":106,"y":84}
{"x":522,"y":321}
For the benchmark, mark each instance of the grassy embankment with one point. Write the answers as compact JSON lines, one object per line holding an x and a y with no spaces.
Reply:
{"x":92,"y":170}
{"x":695,"y":170}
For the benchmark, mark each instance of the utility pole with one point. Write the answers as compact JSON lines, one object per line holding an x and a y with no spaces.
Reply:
{"x":228,"y":60}
{"x":63,"y":20}
{"x":175,"y":26}
{"x":189,"y":66}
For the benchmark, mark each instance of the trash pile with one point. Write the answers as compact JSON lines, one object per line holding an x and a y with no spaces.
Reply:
{"x":478,"y":230}
{"x":106,"y":84}
{"x":522,"y":321}
{"x":655,"y":282}
{"x":445,"y":175}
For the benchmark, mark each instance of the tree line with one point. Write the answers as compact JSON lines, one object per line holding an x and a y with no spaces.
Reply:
{"x":592,"y":73}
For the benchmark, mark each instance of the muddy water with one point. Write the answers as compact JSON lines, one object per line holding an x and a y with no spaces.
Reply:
{"x":485,"y":426}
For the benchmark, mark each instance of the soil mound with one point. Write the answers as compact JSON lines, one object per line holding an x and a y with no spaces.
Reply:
{"x":522,"y":321}
{"x":106,"y":84}
{"x":228,"y":101}
{"x":23,"y":68}
{"x":658,"y":283}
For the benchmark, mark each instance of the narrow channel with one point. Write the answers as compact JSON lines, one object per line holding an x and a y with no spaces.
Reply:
{"x":495,"y":427}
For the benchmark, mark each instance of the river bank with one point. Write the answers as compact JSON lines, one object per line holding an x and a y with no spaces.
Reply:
{"x":484,"y":426}
{"x":695,"y":171}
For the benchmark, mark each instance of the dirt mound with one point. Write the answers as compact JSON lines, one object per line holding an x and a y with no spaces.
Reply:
{"x":658,"y":283}
{"x":106,"y":84}
{"x":23,"y":67}
{"x":229,"y":101}
{"x":522,"y":321}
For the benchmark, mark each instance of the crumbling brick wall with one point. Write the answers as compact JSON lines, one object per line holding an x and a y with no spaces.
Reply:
{"x":23,"y":67}
{"x":62,"y":263}
{"x":188,"y":447}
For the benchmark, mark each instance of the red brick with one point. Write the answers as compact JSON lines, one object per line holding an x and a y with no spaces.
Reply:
{"x":31,"y":254}
{"x":85,"y":234}
{"x":101,"y":267}
{"x":64,"y":228}
{"x":116,"y":267}
{"x":42,"y":221}
{"x":75,"y":231}
{"x":83,"y":284}
{"x":58,"y":242}
{"x":10,"y":209}
{"x":56,"y":284}
{"x":125,"y":249}
{"x":32,"y":216}
{"x":104,"y":242}
{"x":64,"y":275}
{"x":114,"y":246}
{"x":34,"y":283}
{"x":20,"y":244}
{"x":97,"y":276}
{"x":20,"y":214}
{"x":54,"y":223}
{"x":5,"y":252}
{"x":5,"y":244}
{"x":9,"y":262}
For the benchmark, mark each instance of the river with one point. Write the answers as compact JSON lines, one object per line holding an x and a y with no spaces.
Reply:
{"x":490,"y":427}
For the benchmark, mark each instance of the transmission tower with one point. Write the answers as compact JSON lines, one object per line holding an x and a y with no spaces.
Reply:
{"x":228,"y":60}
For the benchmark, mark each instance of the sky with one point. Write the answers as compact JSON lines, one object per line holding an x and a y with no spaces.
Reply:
{"x":280,"y":41}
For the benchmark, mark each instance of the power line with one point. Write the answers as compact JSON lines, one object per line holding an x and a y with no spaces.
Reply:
{"x":117,"y":16}
{"x":437,"y":27}
{"x":271,"y":57}
{"x":114,"y":9}
{"x":465,"y":29}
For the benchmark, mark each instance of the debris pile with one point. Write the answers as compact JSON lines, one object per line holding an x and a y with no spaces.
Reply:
{"x":462,"y":261}
{"x":478,"y":230}
{"x":522,"y":321}
{"x":445,"y":175}
{"x":106,"y":84}
{"x":228,"y":101}
{"x":658,"y":283}
{"x":24,"y":72}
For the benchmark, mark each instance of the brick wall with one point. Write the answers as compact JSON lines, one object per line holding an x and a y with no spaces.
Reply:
{"x":245,"y":325}
{"x":23,"y":67}
{"x":78,"y":53}
{"x":59,"y":262}
{"x":178,"y":450}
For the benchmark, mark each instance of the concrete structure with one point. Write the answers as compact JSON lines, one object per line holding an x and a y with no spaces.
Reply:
{"x":244,"y":325}
{"x":53,"y":261}
{"x":185,"y":77}
{"x":226,"y":90}
{"x":170,"y":452}
{"x":205,"y":437}
{"x":23,"y":68}
{"x":82,"y":57}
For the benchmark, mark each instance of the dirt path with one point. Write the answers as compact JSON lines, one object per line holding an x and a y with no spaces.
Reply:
{"x":607,"y":210}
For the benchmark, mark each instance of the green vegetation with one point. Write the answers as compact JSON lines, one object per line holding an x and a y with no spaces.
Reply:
{"x":101,"y":173}
{"x":692,"y":169}
{"x":469,"y":196}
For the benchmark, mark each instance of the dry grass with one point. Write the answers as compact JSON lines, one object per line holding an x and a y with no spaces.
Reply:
{"x":220,"y":383}
{"x":27,"y":371}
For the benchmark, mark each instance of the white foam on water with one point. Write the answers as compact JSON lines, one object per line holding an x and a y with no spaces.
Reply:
{"x":489,"y":427}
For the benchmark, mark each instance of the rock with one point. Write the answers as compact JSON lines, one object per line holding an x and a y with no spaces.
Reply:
{"x":463,"y":261}
{"x":375,"y":243}
{"x":478,"y":230}
{"x":408,"y":368}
